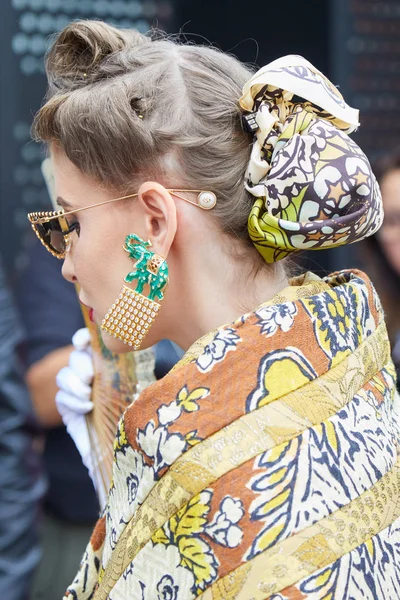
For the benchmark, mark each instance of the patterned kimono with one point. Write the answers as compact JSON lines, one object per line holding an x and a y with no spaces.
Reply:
{"x":265,"y":465}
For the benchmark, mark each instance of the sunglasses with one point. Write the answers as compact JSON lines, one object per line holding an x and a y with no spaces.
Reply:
{"x":54,"y":231}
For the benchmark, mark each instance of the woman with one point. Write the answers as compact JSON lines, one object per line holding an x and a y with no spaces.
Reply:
{"x":265,"y":464}
{"x":22,"y":481}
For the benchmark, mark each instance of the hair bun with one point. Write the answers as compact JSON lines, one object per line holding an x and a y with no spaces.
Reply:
{"x":80,"y":48}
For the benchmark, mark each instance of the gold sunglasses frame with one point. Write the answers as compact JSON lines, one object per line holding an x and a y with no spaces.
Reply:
{"x":206,"y":200}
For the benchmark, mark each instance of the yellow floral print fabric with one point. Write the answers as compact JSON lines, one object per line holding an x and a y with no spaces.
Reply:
{"x":265,"y":465}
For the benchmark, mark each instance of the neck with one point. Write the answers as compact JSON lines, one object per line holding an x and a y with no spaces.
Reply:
{"x":214,"y":292}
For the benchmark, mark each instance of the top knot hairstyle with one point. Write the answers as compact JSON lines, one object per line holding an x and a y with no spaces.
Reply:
{"x":123,"y":107}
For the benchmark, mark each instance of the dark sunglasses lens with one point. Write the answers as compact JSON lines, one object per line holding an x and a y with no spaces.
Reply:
{"x":52,"y":235}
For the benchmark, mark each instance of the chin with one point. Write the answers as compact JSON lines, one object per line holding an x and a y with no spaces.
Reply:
{"x":114,"y":345}
{"x":118,"y":347}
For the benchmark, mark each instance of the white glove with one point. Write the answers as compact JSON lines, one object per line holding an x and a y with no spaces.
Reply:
{"x":73,"y":398}
{"x":75,"y":380}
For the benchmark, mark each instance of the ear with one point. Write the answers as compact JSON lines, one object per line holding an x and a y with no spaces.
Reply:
{"x":160,"y":217}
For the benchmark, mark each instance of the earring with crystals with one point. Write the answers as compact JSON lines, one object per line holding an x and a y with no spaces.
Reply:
{"x":133,"y":313}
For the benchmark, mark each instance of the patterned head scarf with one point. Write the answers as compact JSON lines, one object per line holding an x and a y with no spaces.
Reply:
{"x":313,"y":185}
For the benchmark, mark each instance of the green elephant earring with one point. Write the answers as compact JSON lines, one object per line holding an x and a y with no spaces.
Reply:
{"x":133,"y":313}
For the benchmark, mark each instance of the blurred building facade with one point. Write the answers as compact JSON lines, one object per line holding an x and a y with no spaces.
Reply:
{"x":356,"y":43}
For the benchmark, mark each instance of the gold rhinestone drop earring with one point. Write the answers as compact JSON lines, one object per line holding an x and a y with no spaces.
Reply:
{"x":132,"y":314}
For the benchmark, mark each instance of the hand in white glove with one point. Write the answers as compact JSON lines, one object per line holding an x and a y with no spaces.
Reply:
{"x":73,"y":398}
{"x":75,"y":380}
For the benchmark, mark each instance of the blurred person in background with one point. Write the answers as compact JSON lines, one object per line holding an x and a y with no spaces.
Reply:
{"x":238,"y":474}
{"x":380,"y":254}
{"x":22,"y":483}
{"x":51,"y":315}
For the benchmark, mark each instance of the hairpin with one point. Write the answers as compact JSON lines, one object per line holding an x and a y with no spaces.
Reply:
{"x":249,"y":122}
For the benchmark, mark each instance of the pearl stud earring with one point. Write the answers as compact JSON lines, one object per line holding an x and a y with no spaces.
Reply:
{"x":207,"y":200}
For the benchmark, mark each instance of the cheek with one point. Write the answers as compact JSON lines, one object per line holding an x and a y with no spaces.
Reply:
{"x":88,"y":261}
{"x":100,"y":269}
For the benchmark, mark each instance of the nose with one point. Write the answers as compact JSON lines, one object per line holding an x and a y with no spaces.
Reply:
{"x":68,"y":269}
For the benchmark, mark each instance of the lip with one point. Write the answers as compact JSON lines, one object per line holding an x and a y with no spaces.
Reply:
{"x":90,"y":310}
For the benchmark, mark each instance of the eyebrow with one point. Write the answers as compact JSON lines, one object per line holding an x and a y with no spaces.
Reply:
{"x":64,"y":204}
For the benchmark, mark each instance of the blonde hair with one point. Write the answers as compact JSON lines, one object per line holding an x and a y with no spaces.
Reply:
{"x":121,"y":106}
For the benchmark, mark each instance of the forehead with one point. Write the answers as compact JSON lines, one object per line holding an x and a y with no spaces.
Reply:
{"x":62,"y":164}
{"x":71,"y":184}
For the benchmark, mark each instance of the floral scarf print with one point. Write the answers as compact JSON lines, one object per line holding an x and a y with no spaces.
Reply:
{"x":313,"y":185}
{"x":265,"y":465}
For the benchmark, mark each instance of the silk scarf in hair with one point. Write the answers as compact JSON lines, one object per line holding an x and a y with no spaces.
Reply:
{"x":313,"y":185}
{"x":265,"y":465}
